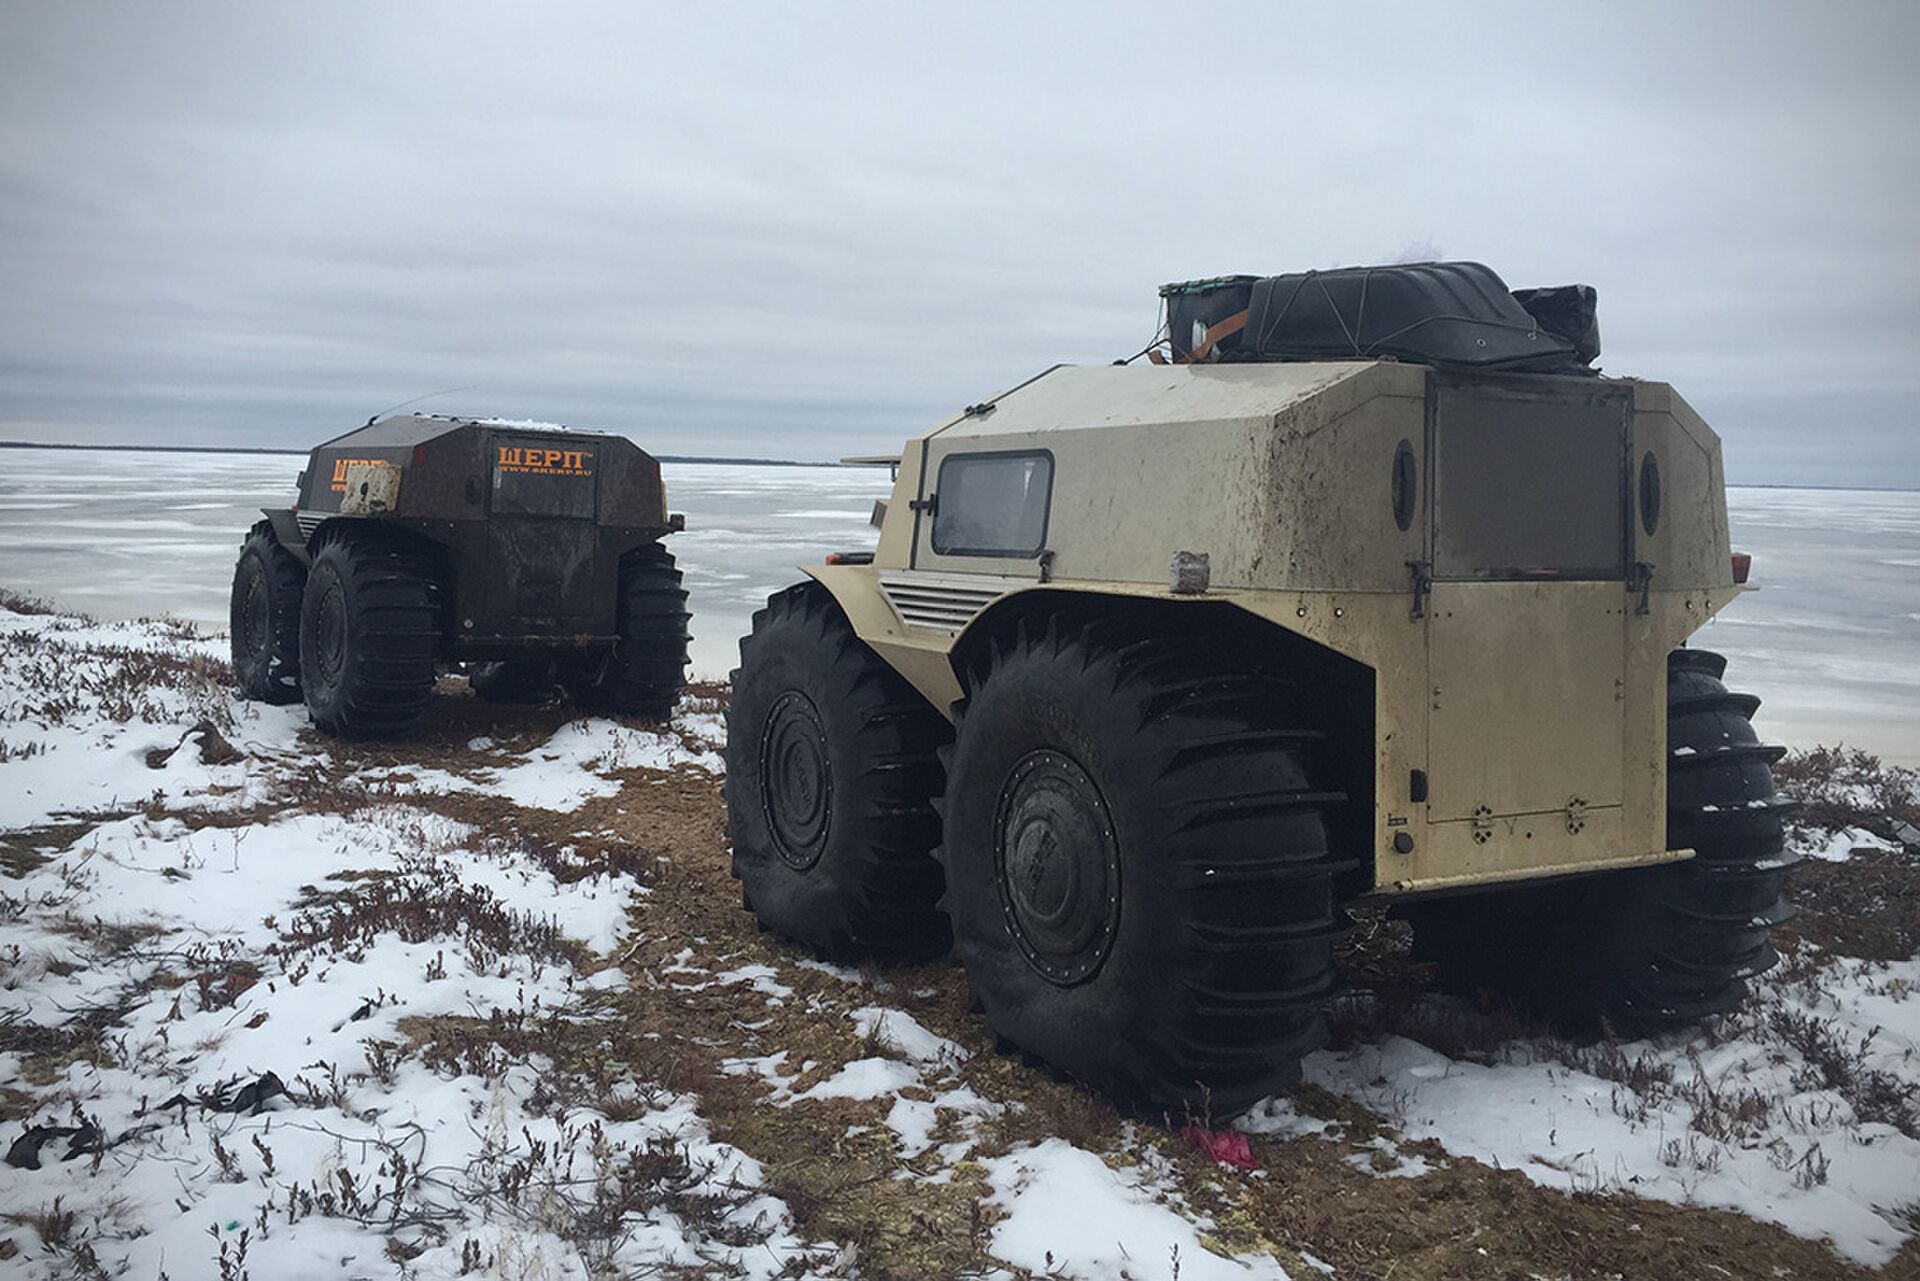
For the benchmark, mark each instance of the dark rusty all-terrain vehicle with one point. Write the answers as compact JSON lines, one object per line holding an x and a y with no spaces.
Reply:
{"x":1367,"y":588}
{"x":531,"y":554}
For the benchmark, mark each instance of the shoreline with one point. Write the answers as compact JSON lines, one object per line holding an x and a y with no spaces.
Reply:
{"x":701,"y":459}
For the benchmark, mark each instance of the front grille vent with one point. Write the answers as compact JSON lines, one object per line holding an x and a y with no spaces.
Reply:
{"x":940,"y":603}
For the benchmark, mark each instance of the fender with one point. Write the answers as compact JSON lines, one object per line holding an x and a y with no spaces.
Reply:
{"x":926,"y":658}
{"x":922,"y":660}
{"x":286,"y":529}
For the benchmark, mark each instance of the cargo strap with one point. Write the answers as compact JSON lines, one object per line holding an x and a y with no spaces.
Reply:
{"x":1215,"y":334}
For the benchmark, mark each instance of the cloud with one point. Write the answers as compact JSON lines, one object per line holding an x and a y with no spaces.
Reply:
{"x":813,"y":231}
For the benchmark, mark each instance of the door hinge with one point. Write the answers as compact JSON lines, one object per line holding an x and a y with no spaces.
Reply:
{"x":930,"y":504}
{"x":1640,"y":580}
{"x":1421,"y":571}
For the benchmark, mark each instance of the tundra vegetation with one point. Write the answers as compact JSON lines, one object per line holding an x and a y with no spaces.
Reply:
{"x":486,"y":1004}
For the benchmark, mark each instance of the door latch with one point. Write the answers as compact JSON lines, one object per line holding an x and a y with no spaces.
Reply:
{"x":1576,"y":815}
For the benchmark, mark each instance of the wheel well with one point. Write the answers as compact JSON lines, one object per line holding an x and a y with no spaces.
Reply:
{"x":440,"y":556}
{"x":347,"y":527}
{"x":1337,"y":692}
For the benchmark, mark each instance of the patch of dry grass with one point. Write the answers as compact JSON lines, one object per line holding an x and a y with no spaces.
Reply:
{"x":1828,"y":1061}
{"x":62,"y":1237}
{"x":1867,"y":906}
{"x":425,"y":903}
{"x":26,"y":848}
{"x":56,"y":683}
{"x":20,"y":603}
{"x":1841,"y":787}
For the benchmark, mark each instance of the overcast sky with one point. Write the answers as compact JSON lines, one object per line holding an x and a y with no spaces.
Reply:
{"x":807,"y":231}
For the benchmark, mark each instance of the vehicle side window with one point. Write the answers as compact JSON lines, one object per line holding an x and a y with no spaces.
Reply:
{"x":993,"y":504}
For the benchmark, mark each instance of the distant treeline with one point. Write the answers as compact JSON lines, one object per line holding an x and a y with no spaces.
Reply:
{"x":301,"y":453}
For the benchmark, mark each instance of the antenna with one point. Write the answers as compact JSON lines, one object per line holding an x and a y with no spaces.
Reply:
{"x":417,"y":399}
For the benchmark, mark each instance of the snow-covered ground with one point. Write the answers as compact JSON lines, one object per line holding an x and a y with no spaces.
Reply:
{"x":1827,"y":641}
{"x":198,"y":900}
{"x":223,"y":936}
{"x":1764,"y":1113}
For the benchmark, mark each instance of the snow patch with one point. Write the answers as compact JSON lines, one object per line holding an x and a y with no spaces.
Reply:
{"x":901,"y":1031}
{"x":1841,"y":844}
{"x":562,"y":774}
{"x":865,"y":1079}
{"x":1805,"y":1160}
{"x":1070,"y":1214}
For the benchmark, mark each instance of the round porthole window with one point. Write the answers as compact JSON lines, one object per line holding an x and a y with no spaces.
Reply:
{"x":1649,"y":493}
{"x":1406,"y":485}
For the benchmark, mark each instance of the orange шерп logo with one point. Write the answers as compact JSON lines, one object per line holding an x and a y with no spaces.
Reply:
{"x":340,"y":466}
{"x":545,"y":462}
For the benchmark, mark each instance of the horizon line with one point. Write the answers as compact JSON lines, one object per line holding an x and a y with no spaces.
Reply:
{"x":720,"y":460}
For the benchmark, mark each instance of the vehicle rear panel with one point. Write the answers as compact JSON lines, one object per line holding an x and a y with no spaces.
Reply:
{"x":530,"y":525}
{"x":1515,"y":610}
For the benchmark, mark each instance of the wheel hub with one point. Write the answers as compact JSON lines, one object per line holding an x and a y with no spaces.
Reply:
{"x":254,"y":621}
{"x":1057,"y":865}
{"x":330,"y":633}
{"x":797,"y":779}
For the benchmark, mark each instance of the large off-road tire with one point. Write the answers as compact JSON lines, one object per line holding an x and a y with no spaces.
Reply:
{"x":646,"y":671}
{"x":1712,"y":915}
{"x":514,"y":680}
{"x":369,"y":631}
{"x":831,"y":771}
{"x":1137,"y":860}
{"x":264,"y":618}
{"x":1659,"y":947}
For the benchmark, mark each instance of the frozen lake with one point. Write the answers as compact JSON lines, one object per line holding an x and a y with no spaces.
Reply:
{"x":126,"y":534}
{"x":1832,"y":643}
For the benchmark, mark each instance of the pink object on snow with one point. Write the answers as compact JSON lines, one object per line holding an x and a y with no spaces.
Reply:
{"x":1228,"y":1147}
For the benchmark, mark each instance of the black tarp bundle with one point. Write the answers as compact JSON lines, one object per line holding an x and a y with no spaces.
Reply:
{"x":1438,"y":313}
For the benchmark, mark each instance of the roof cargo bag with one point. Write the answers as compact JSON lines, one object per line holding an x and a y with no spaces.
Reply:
{"x":1437,"y":313}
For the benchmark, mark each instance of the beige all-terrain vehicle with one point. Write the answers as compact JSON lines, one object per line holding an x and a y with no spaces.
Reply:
{"x":1365,"y":587}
